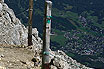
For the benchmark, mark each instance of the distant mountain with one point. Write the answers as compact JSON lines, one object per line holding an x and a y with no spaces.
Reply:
{"x":78,"y":26}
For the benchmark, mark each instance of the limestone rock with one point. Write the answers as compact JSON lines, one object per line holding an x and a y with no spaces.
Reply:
{"x":62,"y":61}
{"x":13,"y":32}
{"x":2,"y":55}
{"x":0,"y":59}
{"x":1,"y":67}
{"x":53,"y":67}
{"x":1,"y":49}
{"x":1,"y":1}
{"x":0,"y":7}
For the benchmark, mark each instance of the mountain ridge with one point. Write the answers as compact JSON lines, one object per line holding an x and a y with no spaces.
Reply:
{"x":13,"y":38}
{"x":79,"y":24}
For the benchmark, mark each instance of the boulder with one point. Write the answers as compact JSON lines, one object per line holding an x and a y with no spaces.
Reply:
{"x":53,"y":67}
{"x":1,"y":1}
{"x":0,"y":7}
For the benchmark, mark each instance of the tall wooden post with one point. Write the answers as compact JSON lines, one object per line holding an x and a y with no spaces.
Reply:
{"x":30,"y":23}
{"x":46,"y":35}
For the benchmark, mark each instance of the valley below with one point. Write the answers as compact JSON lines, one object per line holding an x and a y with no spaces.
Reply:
{"x":77,"y":25}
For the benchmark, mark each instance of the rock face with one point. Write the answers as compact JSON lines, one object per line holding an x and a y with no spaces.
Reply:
{"x":62,"y":61}
{"x":13,"y":32}
{"x":0,"y":7}
{"x":1,"y":1}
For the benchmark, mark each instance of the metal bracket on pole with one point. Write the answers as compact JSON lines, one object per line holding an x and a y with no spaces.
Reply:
{"x":30,"y":9}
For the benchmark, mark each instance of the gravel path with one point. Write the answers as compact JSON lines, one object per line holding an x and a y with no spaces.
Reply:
{"x":16,"y":58}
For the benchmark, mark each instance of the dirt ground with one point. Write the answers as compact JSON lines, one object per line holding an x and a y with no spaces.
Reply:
{"x":16,"y":57}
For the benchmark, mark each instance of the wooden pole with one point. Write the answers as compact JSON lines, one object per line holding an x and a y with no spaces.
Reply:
{"x":30,"y":23}
{"x":46,"y":35}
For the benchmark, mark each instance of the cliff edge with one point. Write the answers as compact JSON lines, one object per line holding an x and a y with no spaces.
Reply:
{"x":14,"y":53}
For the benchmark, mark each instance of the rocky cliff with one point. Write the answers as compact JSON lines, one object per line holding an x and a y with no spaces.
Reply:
{"x":14,"y":33}
{"x":11,"y":29}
